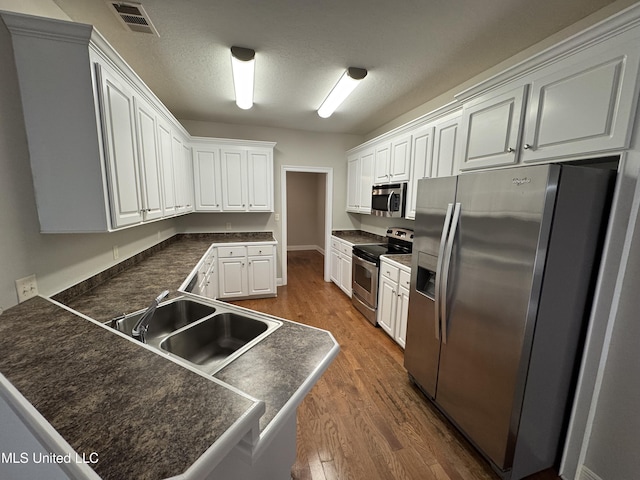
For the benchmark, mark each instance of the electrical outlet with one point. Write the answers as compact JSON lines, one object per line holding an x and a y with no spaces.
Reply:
{"x":26,"y":287}
{"x":277,"y":215}
{"x":116,"y":254}
{"x":228,"y":225}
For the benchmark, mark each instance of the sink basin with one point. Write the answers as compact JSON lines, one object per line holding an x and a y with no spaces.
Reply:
{"x":168,"y":318}
{"x":216,"y":339}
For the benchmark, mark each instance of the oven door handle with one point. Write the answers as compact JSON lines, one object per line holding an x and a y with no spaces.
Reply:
{"x":361,"y":260}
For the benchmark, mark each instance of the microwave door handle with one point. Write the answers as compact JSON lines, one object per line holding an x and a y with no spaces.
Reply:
{"x":443,"y":242}
{"x":389,"y":202}
{"x":445,"y":280}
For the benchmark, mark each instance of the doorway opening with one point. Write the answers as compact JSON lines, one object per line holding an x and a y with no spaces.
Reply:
{"x":307,"y":218}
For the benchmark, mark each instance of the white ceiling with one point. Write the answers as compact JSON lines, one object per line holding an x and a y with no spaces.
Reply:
{"x":414,"y":51}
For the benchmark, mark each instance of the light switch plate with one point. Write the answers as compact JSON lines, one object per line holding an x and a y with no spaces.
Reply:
{"x":27,"y":288}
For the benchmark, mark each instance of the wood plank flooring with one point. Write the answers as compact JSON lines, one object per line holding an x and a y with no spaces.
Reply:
{"x":364,"y":420}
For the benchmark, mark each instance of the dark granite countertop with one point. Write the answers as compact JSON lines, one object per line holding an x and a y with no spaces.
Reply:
{"x":358,"y":237}
{"x":96,"y":388}
{"x":401,"y":259}
{"x":106,"y":394}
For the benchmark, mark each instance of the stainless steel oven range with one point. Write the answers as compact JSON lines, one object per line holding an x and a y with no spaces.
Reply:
{"x":365,"y":266}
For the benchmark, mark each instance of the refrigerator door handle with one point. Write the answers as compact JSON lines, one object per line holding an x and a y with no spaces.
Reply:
{"x":445,"y":273}
{"x":443,"y":241}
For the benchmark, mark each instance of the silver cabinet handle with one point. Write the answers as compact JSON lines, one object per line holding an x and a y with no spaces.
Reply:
{"x":510,"y":150}
{"x":445,"y":281}
{"x":443,"y":242}
{"x":527,"y":146}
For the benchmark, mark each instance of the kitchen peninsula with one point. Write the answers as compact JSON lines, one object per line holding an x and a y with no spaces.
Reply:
{"x":144,"y":414}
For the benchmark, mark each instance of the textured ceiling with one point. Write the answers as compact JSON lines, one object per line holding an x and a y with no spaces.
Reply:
{"x":414,"y":51}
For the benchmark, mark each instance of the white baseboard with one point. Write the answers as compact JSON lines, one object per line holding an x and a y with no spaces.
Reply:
{"x":295,"y":248}
{"x":586,"y":474}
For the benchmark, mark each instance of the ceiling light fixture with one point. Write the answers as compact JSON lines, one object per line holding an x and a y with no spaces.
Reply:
{"x":347,"y":83}
{"x":243,"y":62}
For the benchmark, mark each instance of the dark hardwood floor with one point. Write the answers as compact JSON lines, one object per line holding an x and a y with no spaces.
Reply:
{"x":364,"y":420}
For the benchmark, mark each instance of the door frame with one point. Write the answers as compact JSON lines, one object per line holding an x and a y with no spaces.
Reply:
{"x":328,"y":214}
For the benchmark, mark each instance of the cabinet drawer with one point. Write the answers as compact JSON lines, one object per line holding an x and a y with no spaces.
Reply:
{"x":346,"y":248}
{"x":389,"y":271}
{"x":335,"y":243}
{"x":257,"y":250}
{"x":405,"y":279}
{"x":228,"y":252}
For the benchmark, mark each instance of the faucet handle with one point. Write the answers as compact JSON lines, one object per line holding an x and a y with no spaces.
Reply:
{"x":162,"y":296}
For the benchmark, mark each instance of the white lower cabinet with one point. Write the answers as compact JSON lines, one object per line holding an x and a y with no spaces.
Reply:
{"x":341,"y":273}
{"x":246,"y":271}
{"x":262,"y":270}
{"x":393,"y":300}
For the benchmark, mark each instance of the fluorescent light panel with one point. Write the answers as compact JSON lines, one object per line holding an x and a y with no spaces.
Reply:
{"x":243,"y":64}
{"x":347,"y":83}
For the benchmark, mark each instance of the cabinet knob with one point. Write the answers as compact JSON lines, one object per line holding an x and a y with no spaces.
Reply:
{"x":527,"y":146}
{"x":260,"y":251}
{"x":510,"y":150}
{"x":251,"y":204}
{"x":243,"y":205}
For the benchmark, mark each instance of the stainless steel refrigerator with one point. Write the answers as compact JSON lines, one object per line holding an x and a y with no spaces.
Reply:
{"x":502,"y":273}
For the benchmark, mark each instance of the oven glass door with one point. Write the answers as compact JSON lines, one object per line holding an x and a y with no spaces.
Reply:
{"x":365,"y":280}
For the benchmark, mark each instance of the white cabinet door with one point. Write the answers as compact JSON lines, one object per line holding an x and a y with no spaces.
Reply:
{"x":232,"y":277}
{"x":188,"y":178}
{"x":118,"y":119}
{"x":335,"y":266}
{"x":208,"y":182}
{"x":421,"y":154}
{"x":400,"y":164}
{"x":583,"y":108}
{"x":490,"y":130}
{"x":260,"y":181}
{"x":444,"y":150}
{"x":366,"y":182}
{"x":382,"y":163}
{"x":345,"y":273}
{"x":166,"y":160}
{"x":387,"y":298}
{"x":402,"y":313}
{"x":150,"y":161}
{"x":178,"y":174}
{"x":353,"y":184}
{"x":261,"y":275}
{"x":234,"y":179}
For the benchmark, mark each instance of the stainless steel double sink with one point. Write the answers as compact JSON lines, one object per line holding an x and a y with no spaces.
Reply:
{"x":206,"y":336}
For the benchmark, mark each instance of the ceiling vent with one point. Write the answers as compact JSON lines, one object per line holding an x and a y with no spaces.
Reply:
{"x":133,"y":17}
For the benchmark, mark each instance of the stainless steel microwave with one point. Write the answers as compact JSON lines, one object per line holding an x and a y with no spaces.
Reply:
{"x":389,"y":200}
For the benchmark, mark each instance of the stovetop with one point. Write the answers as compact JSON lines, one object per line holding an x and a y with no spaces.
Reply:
{"x":400,"y":242}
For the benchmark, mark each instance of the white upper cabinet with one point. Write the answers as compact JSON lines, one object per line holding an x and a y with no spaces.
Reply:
{"x":208,"y":179}
{"x":118,"y":120}
{"x":247,"y":178}
{"x":150,"y":161}
{"x":234,"y":179}
{"x":421,"y":155}
{"x":354,"y":170}
{"x":260,"y":168}
{"x":400,"y":165}
{"x":579,"y":104}
{"x":582,"y":108}
{"x":366,"y":182}
{"x":166,"y":160}
{"x":491,"y":130}
{"x":382,"y":162}
{"x":105,"y":153}
{"x":359,"y":181}
{"x":392,"y":161}
{"x":445,"y":145}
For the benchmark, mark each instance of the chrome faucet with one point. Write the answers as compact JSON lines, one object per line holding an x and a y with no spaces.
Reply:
{"x":139,"y":332}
